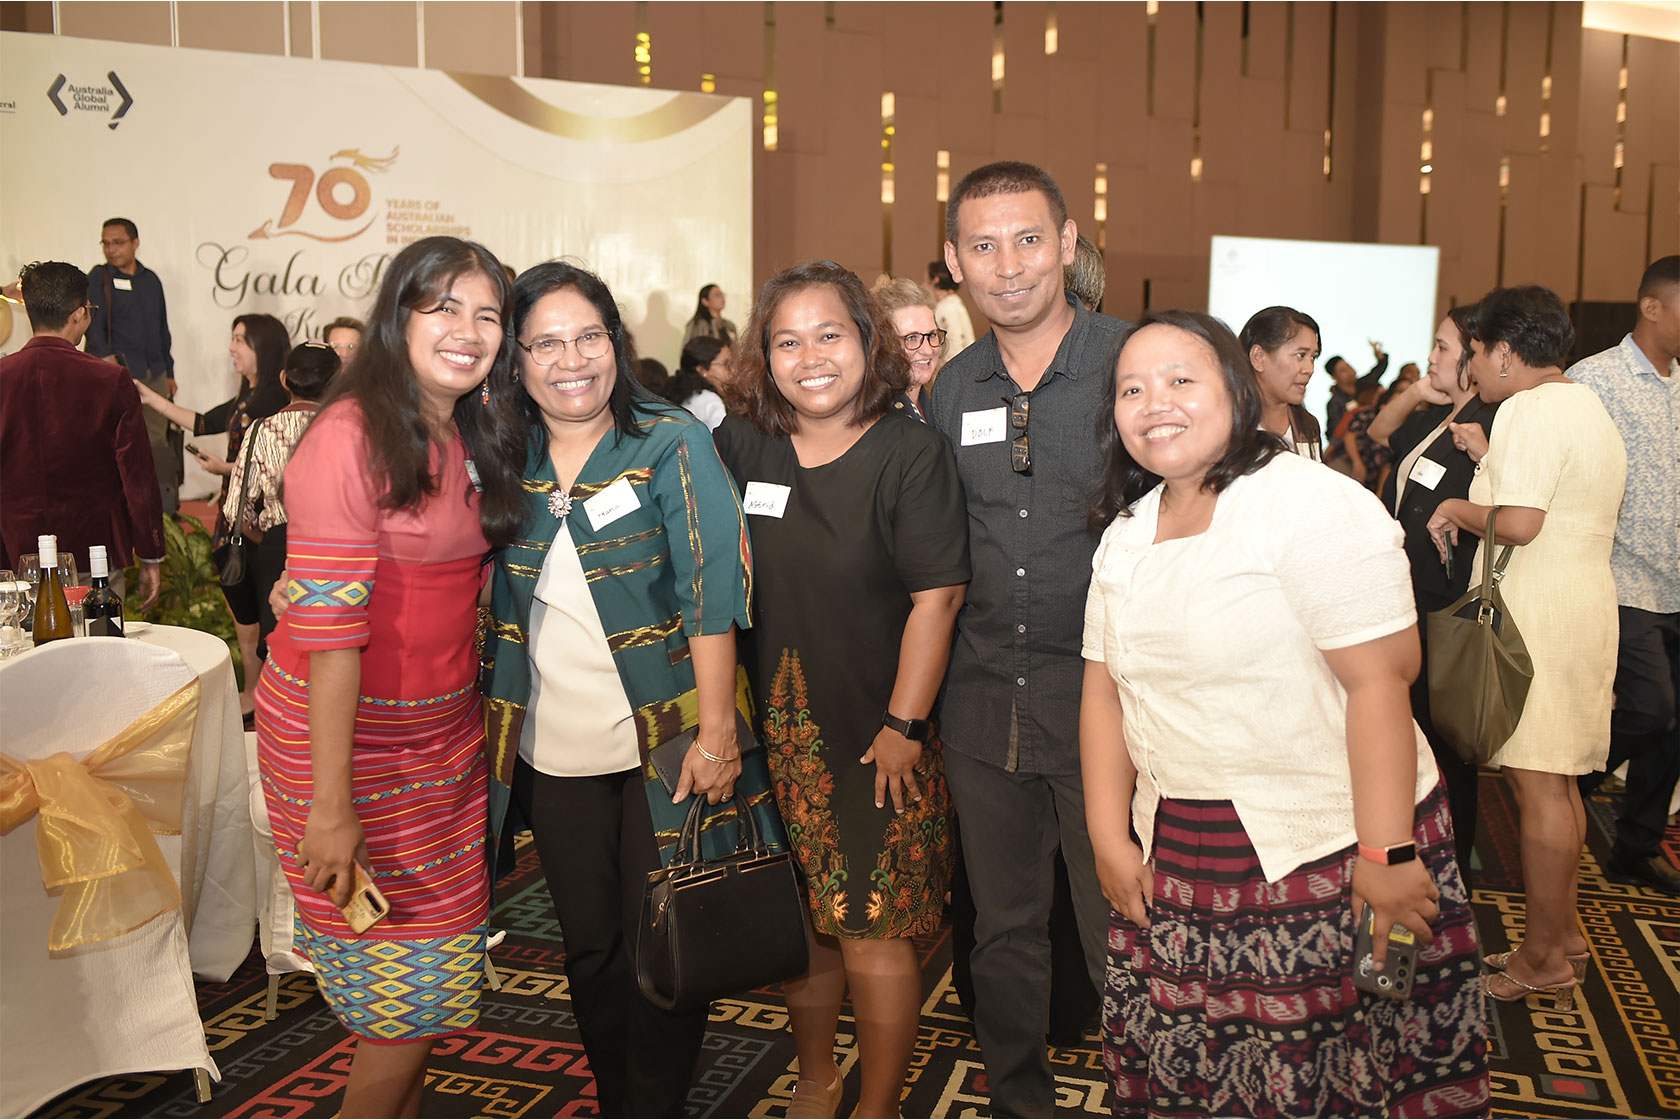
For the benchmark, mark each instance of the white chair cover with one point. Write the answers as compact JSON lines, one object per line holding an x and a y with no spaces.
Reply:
{"x":275,"y":902}
{"x":118,"y":1006}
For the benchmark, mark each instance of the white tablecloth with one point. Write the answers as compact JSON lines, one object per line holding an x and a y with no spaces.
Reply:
{"x":218,"y":881}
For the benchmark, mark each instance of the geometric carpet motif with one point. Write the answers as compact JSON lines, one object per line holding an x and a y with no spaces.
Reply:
{"x":1616,"y":1054}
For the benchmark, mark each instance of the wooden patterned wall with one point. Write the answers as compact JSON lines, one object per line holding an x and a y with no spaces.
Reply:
{"x":1143,"y":88}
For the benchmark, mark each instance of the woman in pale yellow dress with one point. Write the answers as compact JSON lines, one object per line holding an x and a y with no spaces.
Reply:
{"x":1555,"y":467}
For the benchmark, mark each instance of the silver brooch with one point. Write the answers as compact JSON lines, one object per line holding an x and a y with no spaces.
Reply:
{"x":560,"y":503}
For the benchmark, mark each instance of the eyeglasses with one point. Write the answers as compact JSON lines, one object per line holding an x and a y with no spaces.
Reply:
{"x":1020,"y":452}
{"x":915,"y":340}
{"x":547,"y":351}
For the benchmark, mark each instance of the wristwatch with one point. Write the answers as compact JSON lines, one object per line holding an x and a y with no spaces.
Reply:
{"x":1394,"y":853}
{"x":917,"y":729}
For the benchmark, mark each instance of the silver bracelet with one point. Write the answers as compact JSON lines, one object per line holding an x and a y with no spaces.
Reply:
{"x":710,"y":757}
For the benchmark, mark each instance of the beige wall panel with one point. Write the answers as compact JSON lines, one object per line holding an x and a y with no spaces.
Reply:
{"x":1175,"y":59}
{"x":965,"y":84}
{"x":1266,"y":25}
{"x":1525,"y":69}
{"x":1024,"y":60}
{"x":674,"y":32}
{"x":813,"y":195}
{"x":1443,"y":29}
{"x":603,"y":43}
{"x":1310,"y":88}
{"x":1167,"y":196}
{"x":470,"y":38}
{"x":1557,"y":242}
{"x":553,"y":57}
{"x":852,"y":152}
{"x":916,"y":237}
{"x":1523,"y":228}
{"x":1477,"y":201}
{"x":1665,"y":215}
{"x":910,"y":44}
{"x":303,"y":34}
{"x":1129,"y":218}
{"x":1653,"y":126}
{"x":1079,"y":28}
{"x":1216,"y":213}
{"x":1122,"y":75}
{"x":1222,"y":90}
{"x":1407,"y":45}
{"x":732,"y":41}
{"x":1259,"y":106}
{"x":1071,"y":139}
{"x":355,"y":31}
{"x":773,"y":208}
{"x":1300,"y":187}
{"x":1020,"y":136}
{"x":1397,"y":205}
{"x":1483,"y":88}
{"x":1566,"y":80}
{"x":802,"y":75}
{"x":865,"y":17}
{"x":1446,"y":217}
{"x":27,"y":15}
{"x":1614,"y":242}
{"x":1601,"y":60}
{"x":138,"y":21}
{"x":257,"y":27}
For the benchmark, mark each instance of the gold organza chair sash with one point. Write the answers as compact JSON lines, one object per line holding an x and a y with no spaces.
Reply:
{"x":95,"y":819}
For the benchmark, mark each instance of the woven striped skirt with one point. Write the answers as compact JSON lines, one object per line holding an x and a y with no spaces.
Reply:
{"x":1239,"y":999}
{"x":420,"y":789}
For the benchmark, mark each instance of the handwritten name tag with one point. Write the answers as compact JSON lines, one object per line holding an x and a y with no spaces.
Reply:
{"x":611,"y":504}
{"x":122,"y":283}
{"x":1426,"y":473}
{"x":766,"y":499}
{"x":987,"y":426}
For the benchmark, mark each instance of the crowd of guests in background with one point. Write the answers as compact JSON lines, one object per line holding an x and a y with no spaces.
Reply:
{"x":1079,"y":603}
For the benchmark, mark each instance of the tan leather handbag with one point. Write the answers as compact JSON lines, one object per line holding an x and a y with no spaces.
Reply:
{"x":1479,"y":668}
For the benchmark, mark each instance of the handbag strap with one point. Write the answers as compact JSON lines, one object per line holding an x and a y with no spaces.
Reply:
{"x":1492,"y":570}
{"x":245,"y":483}
{"x":750,"y":838}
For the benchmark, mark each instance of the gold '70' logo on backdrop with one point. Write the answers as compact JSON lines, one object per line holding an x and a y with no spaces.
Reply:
{"x":341,"y":193}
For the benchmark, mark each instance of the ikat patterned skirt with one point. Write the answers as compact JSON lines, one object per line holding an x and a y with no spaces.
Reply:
{"x":1239,"y":999}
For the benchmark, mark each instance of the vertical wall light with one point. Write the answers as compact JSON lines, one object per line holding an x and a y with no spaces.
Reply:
{"x":1330,"y":98}
{"x":1151,"y":10}
{"x":708,"y":83}
{"x":1052,"y":36}
{"x":1546,"y":82}
{"x":1504,"y":55}
{"x":771,"y":117}
{"x":889,"y":127}
{"x":1621,"y":121}
{"x":1099,"y":209}
{"x":941,"y":192}
{"x":1504,"y":209}
{"x":1426,"y":156}
{"x":1196,"y":100}
{"x":644,"y":45}
{"x":997,"y":56}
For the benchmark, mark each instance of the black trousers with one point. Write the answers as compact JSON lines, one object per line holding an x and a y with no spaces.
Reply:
{"x":1643,"y":733}
{"x":1460,"y":777}
{"x":594,"y":838}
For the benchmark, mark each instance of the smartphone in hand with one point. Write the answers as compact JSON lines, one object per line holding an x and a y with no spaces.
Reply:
{"x":193,"y":448}
{"x":1395,"y":979}
{"x":367,"y":907}
{"x":1449,"y":559}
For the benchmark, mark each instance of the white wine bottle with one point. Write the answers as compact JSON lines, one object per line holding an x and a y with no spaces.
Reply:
{"x":52,"y":612}
{"x":103,"y":608}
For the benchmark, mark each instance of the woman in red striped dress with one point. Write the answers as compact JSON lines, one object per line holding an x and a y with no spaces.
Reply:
{"x":369,"y":728}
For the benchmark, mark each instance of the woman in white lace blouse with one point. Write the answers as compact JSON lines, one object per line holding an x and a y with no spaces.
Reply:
{"x":309,"y":369}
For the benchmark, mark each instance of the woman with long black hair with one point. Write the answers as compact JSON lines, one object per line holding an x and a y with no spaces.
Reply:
{"x":1282,"y":344}
{"x":708,"y":320}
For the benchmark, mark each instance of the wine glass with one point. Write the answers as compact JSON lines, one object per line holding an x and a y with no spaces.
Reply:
{"x":11,"y":610}
{"x":29,"y":578}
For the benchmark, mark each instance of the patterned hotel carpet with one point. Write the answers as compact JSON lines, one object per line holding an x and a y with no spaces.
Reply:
{"x":1615,"y":1055}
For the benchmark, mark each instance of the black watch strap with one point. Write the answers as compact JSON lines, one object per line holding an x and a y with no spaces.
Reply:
{"x":917,"y":729}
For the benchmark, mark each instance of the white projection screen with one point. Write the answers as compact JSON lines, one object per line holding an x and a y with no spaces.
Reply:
{"x":1358,"y":292}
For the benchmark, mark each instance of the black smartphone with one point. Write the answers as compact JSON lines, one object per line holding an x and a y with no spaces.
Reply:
{"x":1449,"y":559}
{"x":1395,"y":979}
{"x":196,"y":451}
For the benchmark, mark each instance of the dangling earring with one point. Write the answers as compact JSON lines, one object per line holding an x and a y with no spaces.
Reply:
{"x":1505,"y":367}
{"x":484,"y":392}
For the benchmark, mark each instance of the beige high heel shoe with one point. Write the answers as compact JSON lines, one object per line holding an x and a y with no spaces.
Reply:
{"x":1577,"y":963}
{"x":1563,"y":995}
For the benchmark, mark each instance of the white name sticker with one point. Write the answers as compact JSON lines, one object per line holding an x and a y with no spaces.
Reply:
{"x":611,"y":504}
{"x":1426,"y":473}
{"x":987,"y":426}
{"x":767,"y":499}
{"x":122,"y":283}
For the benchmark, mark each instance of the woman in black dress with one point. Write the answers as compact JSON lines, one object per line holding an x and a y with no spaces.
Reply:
{"x":1430,"y":466}
{"x":860,"y":558}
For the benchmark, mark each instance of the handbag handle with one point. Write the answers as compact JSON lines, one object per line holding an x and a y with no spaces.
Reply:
{"x":688,"y":844}
{"x":245,"y":484}
{"x":1492,"y":571}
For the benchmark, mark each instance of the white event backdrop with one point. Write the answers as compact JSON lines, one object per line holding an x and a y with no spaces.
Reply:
{"x":1357,"y":292}
{"x":281,"y":185}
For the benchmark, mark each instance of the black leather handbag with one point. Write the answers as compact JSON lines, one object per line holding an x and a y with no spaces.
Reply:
{"x":233,"y":558}
{"x":716,"y":927}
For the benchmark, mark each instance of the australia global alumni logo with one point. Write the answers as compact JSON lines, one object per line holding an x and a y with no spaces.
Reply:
{"x":66,"y":97}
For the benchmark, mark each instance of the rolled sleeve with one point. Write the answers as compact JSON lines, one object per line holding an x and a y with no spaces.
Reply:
{"x":332,"y":542}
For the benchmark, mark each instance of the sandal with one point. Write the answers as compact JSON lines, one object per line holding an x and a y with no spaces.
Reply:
{"x":811,"y":1100}
{"x":1563,"y":995}
{"x":1577,"y":962}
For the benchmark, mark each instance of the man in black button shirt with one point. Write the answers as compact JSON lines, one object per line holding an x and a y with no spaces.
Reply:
{"x":131,"y":328}
{"x":1020,"y":407}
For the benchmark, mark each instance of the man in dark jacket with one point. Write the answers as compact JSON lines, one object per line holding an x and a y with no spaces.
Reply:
{"x":74,"y":458}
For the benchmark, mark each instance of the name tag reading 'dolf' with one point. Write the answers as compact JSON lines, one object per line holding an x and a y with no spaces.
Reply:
{"x":122,"y":283}
{"x":987,"y":426}
{"x":1426,"y":473}
{"x":767,"y":499}
{"x":611,"y":504}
